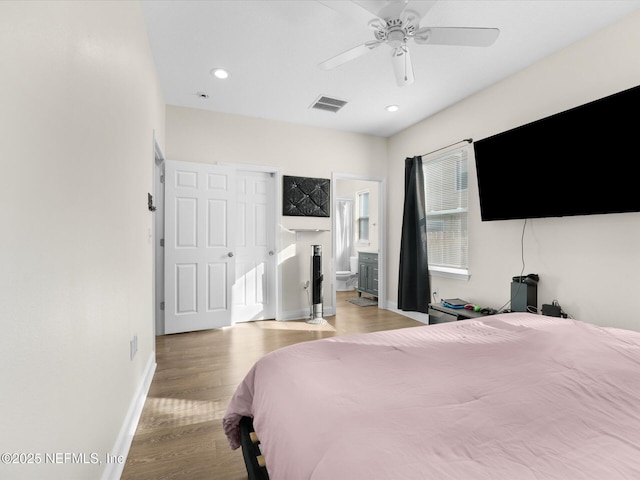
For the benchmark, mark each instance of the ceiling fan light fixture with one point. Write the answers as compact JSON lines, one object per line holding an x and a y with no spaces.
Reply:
{"x":396,"y":38}
{"x":220,"y":73}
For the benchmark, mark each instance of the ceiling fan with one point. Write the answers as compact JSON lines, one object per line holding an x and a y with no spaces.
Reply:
{"x":396,"y":23}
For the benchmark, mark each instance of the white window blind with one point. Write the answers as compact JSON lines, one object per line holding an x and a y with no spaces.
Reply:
{"x":446,"y":198}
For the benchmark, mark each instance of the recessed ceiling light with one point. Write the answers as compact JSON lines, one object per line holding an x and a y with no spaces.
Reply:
{"x":219,"y":73}
{"x":392,"y":108}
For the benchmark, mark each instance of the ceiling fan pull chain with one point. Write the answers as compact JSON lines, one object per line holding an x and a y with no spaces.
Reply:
{"x":405,"y":62}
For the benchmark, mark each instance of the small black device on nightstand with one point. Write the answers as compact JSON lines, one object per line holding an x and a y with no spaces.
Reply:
{"x":551,"y":310}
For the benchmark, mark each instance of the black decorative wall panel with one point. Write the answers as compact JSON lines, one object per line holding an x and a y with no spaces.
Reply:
{"x":305,"y":197}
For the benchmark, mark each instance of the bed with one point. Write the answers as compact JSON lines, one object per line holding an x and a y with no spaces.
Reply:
{"x":512,"y":396}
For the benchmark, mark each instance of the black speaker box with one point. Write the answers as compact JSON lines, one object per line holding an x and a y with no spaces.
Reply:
{"x":524,"y":297}
{"x":551,"y":310}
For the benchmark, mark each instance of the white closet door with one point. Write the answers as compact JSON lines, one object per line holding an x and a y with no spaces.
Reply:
{"x":254,"y":288}
{"x":200,"y":204}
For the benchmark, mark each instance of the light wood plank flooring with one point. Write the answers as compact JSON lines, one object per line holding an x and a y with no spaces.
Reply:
{"x":180,"y":434}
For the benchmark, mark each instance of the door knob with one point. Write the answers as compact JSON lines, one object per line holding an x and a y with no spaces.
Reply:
{"x":271,"y":253}
{"x":230,"y":254}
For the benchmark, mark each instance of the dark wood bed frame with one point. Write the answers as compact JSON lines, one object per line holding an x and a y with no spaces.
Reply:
{"x":253,"y":459}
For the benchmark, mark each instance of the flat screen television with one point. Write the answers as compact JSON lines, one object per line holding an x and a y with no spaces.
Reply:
{"x":581,"y":161}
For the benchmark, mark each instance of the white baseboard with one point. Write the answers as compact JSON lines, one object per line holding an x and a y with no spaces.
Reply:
{"x":128,"y":429}
{"x":420,"y":317}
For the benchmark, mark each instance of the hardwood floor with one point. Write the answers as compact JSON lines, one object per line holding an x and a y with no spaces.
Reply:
{"x":180,"y":434}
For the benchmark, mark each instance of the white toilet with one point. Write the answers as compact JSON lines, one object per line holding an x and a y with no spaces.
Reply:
{"x":346,"y":281}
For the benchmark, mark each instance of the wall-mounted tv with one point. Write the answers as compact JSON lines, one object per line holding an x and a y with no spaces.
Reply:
{"x":578,"y":162}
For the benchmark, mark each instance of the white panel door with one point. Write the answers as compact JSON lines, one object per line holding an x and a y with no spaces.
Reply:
{"x":199,"y":246}
{"x":254,"y":287}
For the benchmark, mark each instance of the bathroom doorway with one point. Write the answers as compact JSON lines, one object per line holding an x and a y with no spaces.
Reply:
{"x":358,"y":218}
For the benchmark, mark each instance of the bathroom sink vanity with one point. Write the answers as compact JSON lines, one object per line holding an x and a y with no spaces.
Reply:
{"x":367,"y":273}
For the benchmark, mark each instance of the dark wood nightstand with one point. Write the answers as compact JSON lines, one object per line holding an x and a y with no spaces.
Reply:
{"x":438,"y":313}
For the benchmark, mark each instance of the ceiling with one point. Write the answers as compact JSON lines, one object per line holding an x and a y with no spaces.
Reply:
{"x":272,"y":50}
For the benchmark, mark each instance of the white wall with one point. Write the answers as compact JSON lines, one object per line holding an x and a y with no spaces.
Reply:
{"x":208,"y":137}
{"x":80,"y":102}
{"x":587,"y":263}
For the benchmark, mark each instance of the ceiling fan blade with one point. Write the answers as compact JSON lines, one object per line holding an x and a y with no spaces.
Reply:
{"x":349,"y":55}
{"x":384,"y":9}
{"x":421,"y":8}
{"x":348,"y":9}
{"x":463,"y":36}
{"x":402,"y":66}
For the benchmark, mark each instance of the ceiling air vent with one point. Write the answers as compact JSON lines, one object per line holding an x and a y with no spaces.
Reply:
{"x":328,"y":104}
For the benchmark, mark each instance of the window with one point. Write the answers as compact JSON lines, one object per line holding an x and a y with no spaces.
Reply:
{"x":362,"y":219}
{"x":446,"y":182}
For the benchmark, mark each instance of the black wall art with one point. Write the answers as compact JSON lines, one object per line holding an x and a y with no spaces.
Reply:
{"x":305,"y":197}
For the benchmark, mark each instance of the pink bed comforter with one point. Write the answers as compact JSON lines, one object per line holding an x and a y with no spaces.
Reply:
{"x":513,"y":396}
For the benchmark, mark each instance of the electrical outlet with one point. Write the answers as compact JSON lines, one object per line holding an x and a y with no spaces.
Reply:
{"x":436,"y":291}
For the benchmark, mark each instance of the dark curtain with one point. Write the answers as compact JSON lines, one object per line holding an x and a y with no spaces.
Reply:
{"x":414,"y":290}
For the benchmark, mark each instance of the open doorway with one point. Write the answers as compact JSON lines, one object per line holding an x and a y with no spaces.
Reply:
{"x":358,"y":226}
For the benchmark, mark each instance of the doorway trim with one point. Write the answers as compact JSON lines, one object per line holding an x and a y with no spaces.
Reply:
{"x":382,"y":239}
{"x":158,"y":236}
